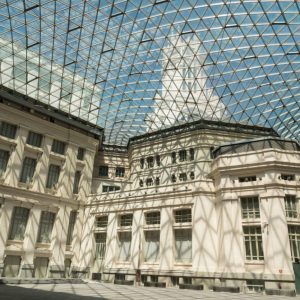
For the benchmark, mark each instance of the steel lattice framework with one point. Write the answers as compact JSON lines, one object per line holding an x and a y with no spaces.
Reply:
{"x":138,"y":66}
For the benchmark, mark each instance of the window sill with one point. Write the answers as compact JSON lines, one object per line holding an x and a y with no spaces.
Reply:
{"x":24,"y":185}
{"x":42,"y":245}
{"x":182,"y":264}
{"x":80,"y":163}
{"x":14,"y":242}
{"x":254,"y":262}
{"x":51,"y":191}
{"x":8,"y":141}
{"x":57,"y":156}
{"x":33,"y":149}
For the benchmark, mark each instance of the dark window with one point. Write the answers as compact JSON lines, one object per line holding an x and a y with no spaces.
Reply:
{"x":72,"y":220}
{"x":110,"y":188}
{"x":182,"y":155}
{"x":34,"y":139}
{"x":102,"y":221}
{"x":80,"y":153}
{"x":8,"y":130}
{"x":157,"y":181}
{"x":150,"y":162}
{"x":247,"y":178}
{"x":173,"y":178}
{"x":142,"y":163}
{"x":289,"y":177}
{"x":141,"y":183}
{"x":183,"y":215}
{"x":173,"y":155}
{"x":182,"y":177}
{"x":149,"y":181}
{"x":53,"y":176}
{"x":46,"y":226}
{"x":157,"y":158}
{"x":4,"y":156}
{"x":120,"y":172}
{"x":58,"y":147}
{"x":76,"y":182}
{"x":19,"y":223}
{"x":192,"y":175}
{"x":152,"y":218}
{"x":192,"y":154}
{"x":103,"y":171}
{"x":126,"y":220}
{"x":28,"y":170}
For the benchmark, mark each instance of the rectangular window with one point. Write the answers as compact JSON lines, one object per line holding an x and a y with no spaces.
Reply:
{"x":183,"y":245}
{"x":28,"y":170}
{"x":157,"y":158}
{"x":80,"y":153}
{"x":149,"y":182}
{"x":110,"y":188}
{"x":4,"y":156}
{"x":8,"y":130}
{"x":100,"y":239}
{"x":288,"y":177}
{"x":182,"y":177}
{"x":182,"y":155}
{"x":120,"y":172}
{"x":34,"y":139}
{"x":192,"y":154}
{"x":53,"y":176}
{"x":72,"y":220}
{"x":126,"y":220}
{"x":46,"y":226}
{"x":151,"y":246}
{"x":247,"y":179}
{"x":183,"y":215}
{"x":142,"y":163}
{"x":19,"y":222}
{"x":152,"y":218}
{"x":294,"y":237}
{"x":58,"y":147}
{"x":124,"y":244}
{"x":291,"y":209}
{"x":253,"y":242}
{"x":173,"y":156}
{"x":173,"y":178}
{"x":76,"y":182}
{"x":101,"y":222}
{"x":250,"y":207}
{"x":150,"y":162}
{"x":103,"y":171}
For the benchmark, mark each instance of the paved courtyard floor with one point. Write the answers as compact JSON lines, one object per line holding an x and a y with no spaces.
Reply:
{"x":103,"y":291}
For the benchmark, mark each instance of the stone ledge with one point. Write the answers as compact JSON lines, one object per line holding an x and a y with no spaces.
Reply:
{"x":290,"y":293}
{"x":186,"y":286}
{"x":123,"y":282}
{"x":228,"y":289}
{"x":38,"y":281}
{"x":155,"y":284}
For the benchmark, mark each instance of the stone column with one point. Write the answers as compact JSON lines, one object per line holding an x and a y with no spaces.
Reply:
{"x":27,"y":266}
{"x":136,"y":241}
{"x":166,"y":239}
{"x":232,"y":238}
{"x":58,"y":244}
{"x":5,"y":218}
{"x":205,"y":240}
{"x":277,"y":252}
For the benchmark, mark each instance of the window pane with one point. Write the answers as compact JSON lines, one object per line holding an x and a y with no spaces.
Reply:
{"x":126,"y":220}
{"x":151,"y":246}
{"x":124,"y":239}
{"x":80,"y":153}
{"x":53,"y":176}
{"x":76,"y":182}
{"x":46,"y":226}
{"x":103,"y":171}
{"x":19,"y":222}
{"x":28,"y":170}
{"x":34,"y":139}
{"x":183,"y":215}
{"x":72,"y":220}
{"x":183,"y":245}
{"x":120,"y":172}
{"x":8,"y":130}
{"x":100,"y":239}
{"x":152,"y":218}
{"x":58,"y":147}
{"x":4,"y":156}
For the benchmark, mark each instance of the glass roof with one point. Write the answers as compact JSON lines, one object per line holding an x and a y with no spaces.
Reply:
{"x":137,"y":66}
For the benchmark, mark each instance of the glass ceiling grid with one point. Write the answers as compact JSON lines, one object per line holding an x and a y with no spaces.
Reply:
{"x":137,"y":66}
